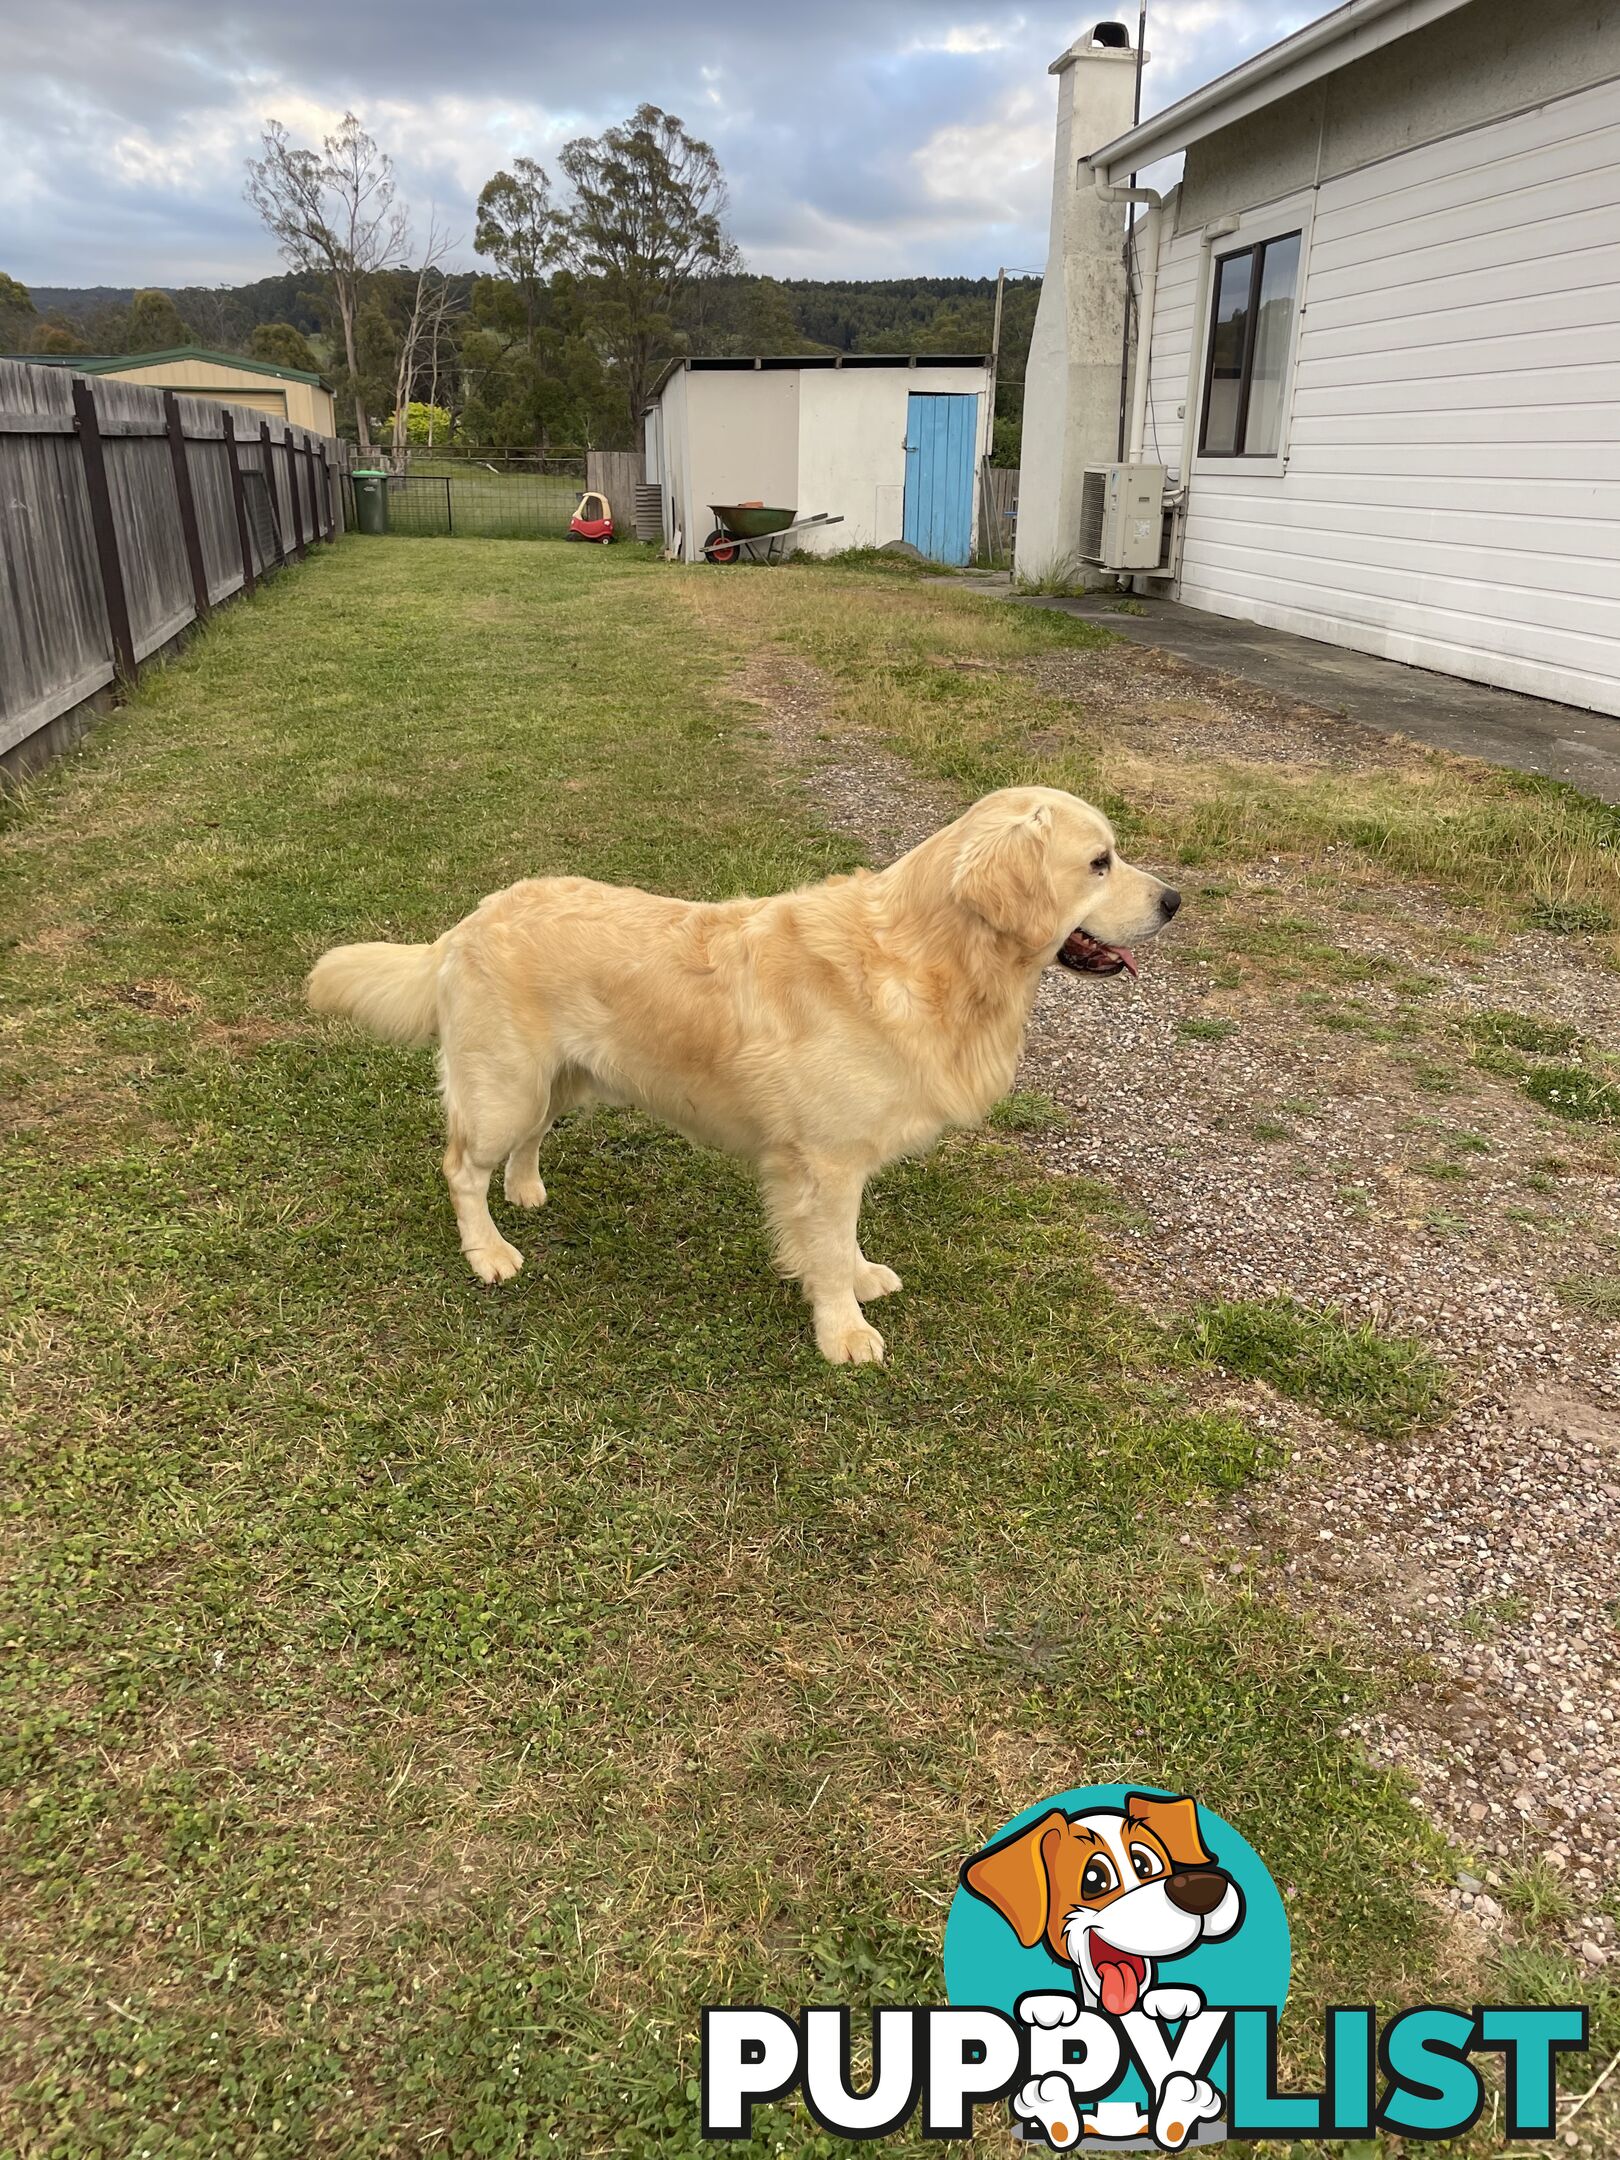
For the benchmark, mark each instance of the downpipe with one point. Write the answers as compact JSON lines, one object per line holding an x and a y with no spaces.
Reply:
{"x":1148,"y":262}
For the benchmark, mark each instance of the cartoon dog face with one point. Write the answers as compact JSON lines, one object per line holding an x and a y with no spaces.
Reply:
{"x":1111,"y":1894}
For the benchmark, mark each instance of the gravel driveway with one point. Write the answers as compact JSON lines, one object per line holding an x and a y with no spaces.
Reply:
{"x":1277,"y":1157}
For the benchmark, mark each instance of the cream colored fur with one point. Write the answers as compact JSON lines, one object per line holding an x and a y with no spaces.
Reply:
{"x":818,"y":1034}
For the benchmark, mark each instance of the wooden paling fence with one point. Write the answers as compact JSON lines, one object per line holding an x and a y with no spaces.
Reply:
{"x":127,"y":514}
{"x":617,"y":474}
{"x":998,"y":511}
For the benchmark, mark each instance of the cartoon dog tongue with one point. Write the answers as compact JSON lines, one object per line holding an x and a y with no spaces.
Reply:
{"x":1118,"y":1978}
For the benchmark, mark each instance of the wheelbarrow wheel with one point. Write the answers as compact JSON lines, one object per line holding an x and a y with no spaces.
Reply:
{"x":720,"y":547}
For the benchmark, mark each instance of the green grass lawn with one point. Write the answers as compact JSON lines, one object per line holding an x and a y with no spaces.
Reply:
{"x":422,"y":1699}
{"x":462,"y":497}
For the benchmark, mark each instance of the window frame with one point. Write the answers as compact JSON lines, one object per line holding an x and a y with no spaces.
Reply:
{"x":1256,"y":250}
{"x":1254,"y":228}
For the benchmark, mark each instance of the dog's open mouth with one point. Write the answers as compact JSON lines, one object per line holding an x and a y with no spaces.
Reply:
{"x":1090,"y":956}
{"x":1120,"y":1975}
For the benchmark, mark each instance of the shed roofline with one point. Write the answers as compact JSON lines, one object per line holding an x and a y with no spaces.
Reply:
{"x":1332,"y":42}
{"x":719,"y":363}
{"x":110,"y":363}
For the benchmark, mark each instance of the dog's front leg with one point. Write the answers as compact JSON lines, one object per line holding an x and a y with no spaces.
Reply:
{"x":814,"y":1208}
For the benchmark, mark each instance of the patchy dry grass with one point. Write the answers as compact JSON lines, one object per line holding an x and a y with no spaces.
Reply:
{"x":953,"y":680}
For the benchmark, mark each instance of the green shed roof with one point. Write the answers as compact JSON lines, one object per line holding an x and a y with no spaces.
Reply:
{"x":111,"y":363}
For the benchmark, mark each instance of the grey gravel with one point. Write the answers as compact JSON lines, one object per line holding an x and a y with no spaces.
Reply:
{"x":1484,"y":1555}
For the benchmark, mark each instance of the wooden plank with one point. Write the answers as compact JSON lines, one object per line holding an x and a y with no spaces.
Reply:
{"x":124,"y":428}
{"x":616,"y":474}
{"x":187,"y":501}
{"x":297,"y":498}
{"x":238,"y":500}
{"x":23,"y":423}
{"x":101,"y":518}
{"x":151,"y":544}
{"x":270,"y":489}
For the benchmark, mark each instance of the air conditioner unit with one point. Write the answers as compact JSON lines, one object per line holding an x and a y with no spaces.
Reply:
{"x":1122,"y":516}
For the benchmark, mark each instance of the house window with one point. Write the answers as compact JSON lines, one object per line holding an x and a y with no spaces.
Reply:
{"x":1256,"y":291}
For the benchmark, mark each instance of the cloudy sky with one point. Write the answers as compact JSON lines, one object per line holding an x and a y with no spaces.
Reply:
{"x":861,"y":138}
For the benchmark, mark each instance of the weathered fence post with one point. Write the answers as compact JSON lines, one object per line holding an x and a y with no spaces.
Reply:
{"x":239,"y":501}
{"x":101,"y":519}
{"x":265,"y":453}
{"x":187,"y":501}
{"x":291,"y":448}
{"x":449,"y":514}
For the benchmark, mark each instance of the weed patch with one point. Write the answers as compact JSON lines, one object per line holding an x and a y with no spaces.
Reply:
{"x":1371,"y":1382}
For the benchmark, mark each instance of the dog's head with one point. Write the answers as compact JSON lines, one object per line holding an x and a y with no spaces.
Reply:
{"x":1110,"y":1893}
{"x":1041,"y":868}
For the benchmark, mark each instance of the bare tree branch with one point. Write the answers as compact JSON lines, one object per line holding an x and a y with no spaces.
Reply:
{"x":333,"y":213}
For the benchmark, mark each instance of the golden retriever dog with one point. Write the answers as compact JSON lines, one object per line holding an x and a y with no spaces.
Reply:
{"x":818,"y":1035}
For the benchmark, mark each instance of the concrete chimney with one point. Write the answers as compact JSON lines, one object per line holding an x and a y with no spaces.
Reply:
{"x":1071,"y":387}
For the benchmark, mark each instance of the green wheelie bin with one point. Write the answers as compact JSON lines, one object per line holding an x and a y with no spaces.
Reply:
{"x":370,"y":501}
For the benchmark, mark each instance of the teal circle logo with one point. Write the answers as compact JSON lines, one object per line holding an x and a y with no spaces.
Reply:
{"x":1137,"y":1904}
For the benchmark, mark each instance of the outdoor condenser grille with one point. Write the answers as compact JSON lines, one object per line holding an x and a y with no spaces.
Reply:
{"x":1122,"y":516}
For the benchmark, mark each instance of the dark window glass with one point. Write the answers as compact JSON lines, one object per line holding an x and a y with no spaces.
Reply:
{"x":1251,"y":329}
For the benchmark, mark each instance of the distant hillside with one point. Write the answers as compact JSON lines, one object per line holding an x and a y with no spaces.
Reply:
{"x":844,"y":315}
{"x":225,"y":315}
{"x":554,"y":382}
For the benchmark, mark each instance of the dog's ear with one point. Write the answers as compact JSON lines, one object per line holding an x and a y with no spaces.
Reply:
{"x":1174,"y":1823}
{"x":1012,"y":1877}
{"x":1002,"y":874}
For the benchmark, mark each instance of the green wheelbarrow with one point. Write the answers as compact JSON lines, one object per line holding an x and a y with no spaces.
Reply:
{"x":754,"y":526}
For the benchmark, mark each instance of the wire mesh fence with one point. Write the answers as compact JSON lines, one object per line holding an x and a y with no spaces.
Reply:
{"x":466,"y":500}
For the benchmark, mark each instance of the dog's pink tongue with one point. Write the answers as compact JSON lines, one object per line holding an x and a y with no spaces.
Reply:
{"x":1129,"y":959}
{"x":1118,"y":1985}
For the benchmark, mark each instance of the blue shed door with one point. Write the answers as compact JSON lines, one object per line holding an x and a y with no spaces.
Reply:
{"x":941,"y":432}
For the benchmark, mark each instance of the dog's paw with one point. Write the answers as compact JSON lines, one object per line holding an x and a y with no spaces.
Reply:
{"x":1172,"y":2004}
{"x":849,"y":1342}
{"x":875,"y":1281}
{"x":1050,"y":2101}
{"x":1049,"y":2011}
{"x":1182,"y":2103}
{"x":495,"y":1263}
{"x":524,"y":1188}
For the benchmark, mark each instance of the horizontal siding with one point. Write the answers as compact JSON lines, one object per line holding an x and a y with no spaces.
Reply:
{"x":1452,"y":492}
{"x":1175,"y":310}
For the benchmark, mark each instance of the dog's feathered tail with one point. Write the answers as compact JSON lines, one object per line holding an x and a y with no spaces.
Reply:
{"x":390,"y":990}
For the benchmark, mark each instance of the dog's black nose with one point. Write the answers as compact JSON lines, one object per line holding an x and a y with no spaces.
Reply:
{"x":1169,"y":900}
{"x":1196,"y":1890}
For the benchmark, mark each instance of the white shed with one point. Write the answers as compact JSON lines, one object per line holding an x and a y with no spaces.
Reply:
{"x":891,"y":445}
{"x":1382,"y":336}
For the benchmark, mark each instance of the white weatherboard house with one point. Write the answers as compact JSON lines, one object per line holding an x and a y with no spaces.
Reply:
{"x":1381,"y":320}
{"x":891,"y":445}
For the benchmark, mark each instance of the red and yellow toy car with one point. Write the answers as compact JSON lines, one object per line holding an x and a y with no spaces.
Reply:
{"x":592,"y":520}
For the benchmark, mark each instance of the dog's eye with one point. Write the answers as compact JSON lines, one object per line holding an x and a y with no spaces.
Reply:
{"x":1098,"y":1879}
{"x":1100,"y":863}
{"x":1146,"y":1863}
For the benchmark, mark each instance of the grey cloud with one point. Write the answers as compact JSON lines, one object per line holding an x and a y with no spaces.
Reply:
{"x":122,"y":135}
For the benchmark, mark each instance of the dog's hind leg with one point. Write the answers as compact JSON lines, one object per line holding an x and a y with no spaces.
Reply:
{"x":523,"y":1183}
{"x":468,"y":1168}
{"x":872,"y":1279}
{"x":496,"y":1096}
{"x":813,"y":1208}
{"x":524,"y":1186}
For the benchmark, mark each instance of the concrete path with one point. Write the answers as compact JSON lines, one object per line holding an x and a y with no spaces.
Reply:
{"x":1529,"y":734}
